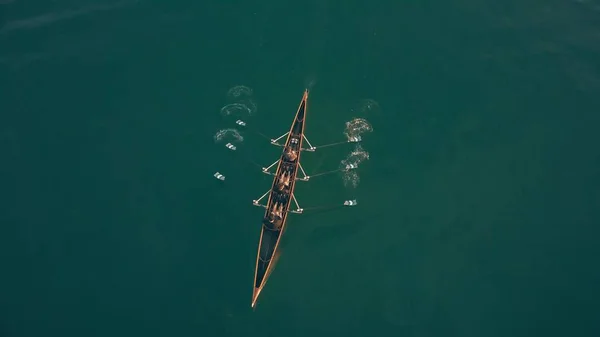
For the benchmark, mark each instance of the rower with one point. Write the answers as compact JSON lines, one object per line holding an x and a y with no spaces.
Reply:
{"x":277,"y":211}
{"x":291,"y":154}
{"x":284,"y":181}
{"x":276,"y":217}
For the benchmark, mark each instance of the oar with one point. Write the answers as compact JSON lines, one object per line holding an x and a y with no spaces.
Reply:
{"x":354,"y":139}
{"x":347,"y":203}
{"x":344,"y":169}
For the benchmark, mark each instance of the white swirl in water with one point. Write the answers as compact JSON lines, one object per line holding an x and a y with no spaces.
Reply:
{"x":356,"y":127}
{"x":236,"y":109}
{"x":241,"y":100}
{"x":357,"y":156}
{"x":239,"y":91}
{"x":231,"y":135}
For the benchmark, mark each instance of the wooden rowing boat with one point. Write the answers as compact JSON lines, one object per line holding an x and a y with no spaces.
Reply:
{"x":281,"y":194}
{"x":280,"y":198}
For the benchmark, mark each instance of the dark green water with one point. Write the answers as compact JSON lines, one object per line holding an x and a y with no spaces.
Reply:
{"x":479,"y":206}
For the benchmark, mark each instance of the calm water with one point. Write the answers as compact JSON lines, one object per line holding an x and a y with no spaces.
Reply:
{"x":479,"y":206}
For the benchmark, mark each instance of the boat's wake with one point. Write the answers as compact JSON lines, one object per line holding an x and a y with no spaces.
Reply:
{"x":354,"y":130}
{"x":354,"y":159}
{"x":356,"y":127}
{"x":242,"y":104}
{"x":228,"y":135}
{"x":236,"y":110}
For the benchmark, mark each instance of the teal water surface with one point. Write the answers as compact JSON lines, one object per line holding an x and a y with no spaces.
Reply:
{"x":478,"y":208}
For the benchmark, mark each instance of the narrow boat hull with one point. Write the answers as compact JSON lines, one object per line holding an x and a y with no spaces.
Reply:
{"x":279,"y":198}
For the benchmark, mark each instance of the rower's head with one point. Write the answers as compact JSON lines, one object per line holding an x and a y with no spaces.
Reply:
{"x":291,"y":155}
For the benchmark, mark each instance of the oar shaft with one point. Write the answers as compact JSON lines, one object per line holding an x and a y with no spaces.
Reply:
{"x":249,"y":160}
{"x":260,"y":134}
{"x":322,"y":207}
{"x":331,"y":144}
{"x":324,"y":173}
